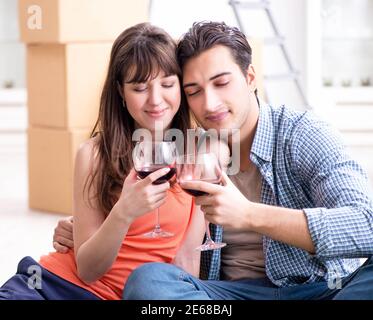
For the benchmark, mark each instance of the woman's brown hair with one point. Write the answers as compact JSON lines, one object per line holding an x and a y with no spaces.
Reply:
{"x":138,"y":54}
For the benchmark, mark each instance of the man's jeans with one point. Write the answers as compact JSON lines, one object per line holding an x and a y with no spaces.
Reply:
{"x":161,"y":281}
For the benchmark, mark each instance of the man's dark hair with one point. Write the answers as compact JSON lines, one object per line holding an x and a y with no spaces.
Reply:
{"x":207,"y":34}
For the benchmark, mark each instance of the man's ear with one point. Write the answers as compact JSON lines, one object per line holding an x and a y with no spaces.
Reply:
{"x":251,"y":77}
{"x":120,"y":89}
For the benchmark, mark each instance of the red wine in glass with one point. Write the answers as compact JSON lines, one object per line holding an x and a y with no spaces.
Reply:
{"x":144,"y":172}
{"x":198,"y":193}
{"x":200,"y":167}
{"x":195,"y":193}
{"x":149,"y":157}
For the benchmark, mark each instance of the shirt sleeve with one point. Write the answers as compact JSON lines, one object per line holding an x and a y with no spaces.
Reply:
{"x":341,"y":221}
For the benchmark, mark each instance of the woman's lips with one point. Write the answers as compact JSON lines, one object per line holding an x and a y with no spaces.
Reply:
{"x":218,"y":116}
{"x":156,"y":113}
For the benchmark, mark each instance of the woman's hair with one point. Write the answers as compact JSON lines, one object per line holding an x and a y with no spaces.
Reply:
{"x":138,"y":54}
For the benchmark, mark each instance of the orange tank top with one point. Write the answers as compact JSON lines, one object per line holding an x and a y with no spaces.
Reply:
{"x":175,"y":216}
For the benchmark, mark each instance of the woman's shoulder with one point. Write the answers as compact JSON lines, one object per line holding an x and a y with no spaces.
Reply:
{"x":89,"y":145}
{"x":88,"y":151}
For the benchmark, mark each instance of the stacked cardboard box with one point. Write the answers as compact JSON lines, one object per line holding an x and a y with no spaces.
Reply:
{"x":68,"y":49}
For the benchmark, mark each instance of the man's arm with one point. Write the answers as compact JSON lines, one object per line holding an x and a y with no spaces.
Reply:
{"x":282,"y":224}
{"x":340,"y":221}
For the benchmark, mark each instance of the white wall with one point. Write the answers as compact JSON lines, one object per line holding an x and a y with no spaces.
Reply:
{"x":348,"y":47}
{"x":12,"y":52}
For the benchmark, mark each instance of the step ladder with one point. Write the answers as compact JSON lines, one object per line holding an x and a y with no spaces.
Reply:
{"x":277,"y":39}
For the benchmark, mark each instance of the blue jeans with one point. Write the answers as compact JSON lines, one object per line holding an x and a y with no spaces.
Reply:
{"x":51,"y":286}
{"x":161,"y":281}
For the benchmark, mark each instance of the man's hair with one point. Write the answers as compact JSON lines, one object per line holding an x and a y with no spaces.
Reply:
{"x":207,"y":34}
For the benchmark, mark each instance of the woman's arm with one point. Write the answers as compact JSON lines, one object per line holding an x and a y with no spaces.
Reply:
{"x":187,"y":257}
{"x":97,"y":239}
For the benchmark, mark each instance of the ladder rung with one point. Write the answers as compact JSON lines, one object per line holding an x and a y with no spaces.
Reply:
{"x":282,"y":76}
{"x":277,"y":39}
{"x":250,"y":5}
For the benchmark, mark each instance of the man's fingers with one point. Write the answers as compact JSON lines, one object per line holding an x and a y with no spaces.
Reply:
{"x":60,"y":248}
{"x":210,"y":215}
{"x":225,"y":179}
{"x":207,"y":209}
{"x":64,"y":233}
{"x":204,"y":200}
{"x":63,"y":241}
{"x":65,"y":224}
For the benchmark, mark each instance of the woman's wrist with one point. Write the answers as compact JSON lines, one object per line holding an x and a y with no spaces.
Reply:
{"x":120,"y":213}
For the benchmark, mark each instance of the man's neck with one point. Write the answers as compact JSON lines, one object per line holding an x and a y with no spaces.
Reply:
{"x":247,"y":134}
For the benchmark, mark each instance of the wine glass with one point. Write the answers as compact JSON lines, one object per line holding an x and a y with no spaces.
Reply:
{"x":149,"y":157}
{"x":201,"y":167}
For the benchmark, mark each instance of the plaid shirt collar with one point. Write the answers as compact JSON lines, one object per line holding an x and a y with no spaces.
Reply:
{"x":265,"y":128}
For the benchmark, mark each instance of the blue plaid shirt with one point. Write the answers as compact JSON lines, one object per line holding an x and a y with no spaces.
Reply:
{"x":304,"y":165}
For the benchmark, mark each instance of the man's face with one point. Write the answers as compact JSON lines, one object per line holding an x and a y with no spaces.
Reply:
{"x":218,"y":93}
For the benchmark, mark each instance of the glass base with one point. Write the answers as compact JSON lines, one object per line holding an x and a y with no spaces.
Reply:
{"x":211,"y":246}
{"x":158,"y":233}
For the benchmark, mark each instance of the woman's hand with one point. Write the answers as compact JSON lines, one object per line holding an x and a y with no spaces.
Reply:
{"x":141,"y":196}
{"x":137,"y":197}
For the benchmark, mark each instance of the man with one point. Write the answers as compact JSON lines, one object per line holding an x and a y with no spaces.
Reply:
{"x":298,"y":215}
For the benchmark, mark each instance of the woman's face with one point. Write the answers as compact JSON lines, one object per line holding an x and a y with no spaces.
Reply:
{"x":156,"y":100}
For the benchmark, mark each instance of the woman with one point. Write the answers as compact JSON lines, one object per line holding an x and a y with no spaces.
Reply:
{"x":112,"y":208}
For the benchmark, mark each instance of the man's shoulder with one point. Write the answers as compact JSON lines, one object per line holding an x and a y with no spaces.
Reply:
{"x":306,"y":133}
{"x":291,"y":121}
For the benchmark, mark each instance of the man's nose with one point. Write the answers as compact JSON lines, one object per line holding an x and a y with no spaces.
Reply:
{"x":211,"y":101}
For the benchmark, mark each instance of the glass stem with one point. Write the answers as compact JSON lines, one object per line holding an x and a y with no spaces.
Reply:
{"x":208,"y":236}
{"x":157,"y":225}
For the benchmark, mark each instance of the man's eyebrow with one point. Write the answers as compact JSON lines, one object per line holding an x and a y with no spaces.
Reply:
{"x":219,"y":75}
{"x":191,"y":84}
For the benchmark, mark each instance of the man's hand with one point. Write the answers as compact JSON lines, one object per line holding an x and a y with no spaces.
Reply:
{"x":227,"y":206}
{"x":63,"y":235}
{"x":224,"y":205}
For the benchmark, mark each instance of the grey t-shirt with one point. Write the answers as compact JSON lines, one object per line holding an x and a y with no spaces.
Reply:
{"x":243,"y":256}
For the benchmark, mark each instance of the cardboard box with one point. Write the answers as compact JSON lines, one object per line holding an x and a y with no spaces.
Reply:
{"x":65,"y":21}
{"x":64,"y":83}
{"x":51,"y":156}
